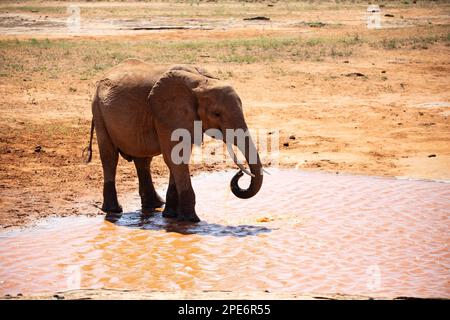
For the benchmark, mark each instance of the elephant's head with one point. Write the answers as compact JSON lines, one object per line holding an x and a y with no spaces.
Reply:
{"x":185,"y":94}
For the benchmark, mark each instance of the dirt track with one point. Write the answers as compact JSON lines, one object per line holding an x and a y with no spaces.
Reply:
{"x":392,"y":120}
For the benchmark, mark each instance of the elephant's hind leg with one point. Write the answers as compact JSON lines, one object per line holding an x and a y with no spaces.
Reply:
{"x":109,"y":157}
{"x":149,"y":197}
{"x":170,"y":210}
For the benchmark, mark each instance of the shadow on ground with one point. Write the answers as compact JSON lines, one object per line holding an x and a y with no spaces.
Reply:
{"x":155,"y":221}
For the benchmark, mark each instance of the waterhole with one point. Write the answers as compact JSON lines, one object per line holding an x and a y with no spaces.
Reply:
{"x":304,"y":232}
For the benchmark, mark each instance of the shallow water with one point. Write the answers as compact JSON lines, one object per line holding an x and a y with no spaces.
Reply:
{"x":325,"y":233}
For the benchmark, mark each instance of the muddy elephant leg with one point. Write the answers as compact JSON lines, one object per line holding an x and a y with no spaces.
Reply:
{"x":186,"y":195}
{"x":180,"y":180}
{"x":149,"y":197}
{"x":170,"y":210}
{"x":109,"y":157}
{"x":183,"y":186}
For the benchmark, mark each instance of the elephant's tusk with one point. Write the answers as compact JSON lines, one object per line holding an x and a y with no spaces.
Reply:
{"x":233,"y":155}
{"x":244,"y":170}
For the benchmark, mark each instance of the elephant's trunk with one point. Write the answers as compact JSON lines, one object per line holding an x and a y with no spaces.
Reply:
{"x":252,"y":157}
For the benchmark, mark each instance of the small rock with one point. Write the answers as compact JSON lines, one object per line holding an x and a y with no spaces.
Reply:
{"x":264,"y":219}
{"x":286,"y":144}
{"x":317,"y":24}
{"x":389,"y":15}
{"x":346,"y":61}
{"x":432,"y":156}
{"x":383,"y":71}
{"x":58,"y":297}
{"x":292,"y":137}
{"x":257,"y":18}
{"x":37,"y":149}
{"x":355,"y":74}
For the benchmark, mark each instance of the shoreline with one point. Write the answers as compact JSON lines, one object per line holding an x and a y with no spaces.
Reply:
{"x":120,"y":294}
{"x":160,"y":185}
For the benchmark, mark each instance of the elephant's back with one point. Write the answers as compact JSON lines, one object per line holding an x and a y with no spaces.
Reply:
{"x":122,"y":96}
{"x":132,"y":77}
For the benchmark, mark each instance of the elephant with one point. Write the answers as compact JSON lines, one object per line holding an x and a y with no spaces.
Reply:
{"x":135,"y":109}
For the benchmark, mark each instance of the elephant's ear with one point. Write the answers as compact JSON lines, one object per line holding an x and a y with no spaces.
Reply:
{"x":172,"y":100}
{"x":205,"y":73}
{"x":194,"y":69}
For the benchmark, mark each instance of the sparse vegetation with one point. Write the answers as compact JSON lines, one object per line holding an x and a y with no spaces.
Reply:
{"x":86,"y":58}
{"x":417,"y":42}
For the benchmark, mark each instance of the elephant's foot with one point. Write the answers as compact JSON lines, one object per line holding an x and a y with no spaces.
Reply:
{"x":169,"y":212}
{"x":186,"y":207}
{"x":189,"y":217}
{"x":110,"y":202}
{"x":112,"y":208}
{"x":151,"y":203}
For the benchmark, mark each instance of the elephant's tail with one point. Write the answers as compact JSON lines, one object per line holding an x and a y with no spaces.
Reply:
{"x":88,"y":149}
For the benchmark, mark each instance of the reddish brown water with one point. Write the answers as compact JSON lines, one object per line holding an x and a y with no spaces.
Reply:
{"x":327,"y":233}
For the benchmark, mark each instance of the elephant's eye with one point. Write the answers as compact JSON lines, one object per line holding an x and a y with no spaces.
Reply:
{"x":217,"y":114}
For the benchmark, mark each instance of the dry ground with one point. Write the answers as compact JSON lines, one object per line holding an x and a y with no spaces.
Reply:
{"x":112,"y":294}
{"x":293,"y":74}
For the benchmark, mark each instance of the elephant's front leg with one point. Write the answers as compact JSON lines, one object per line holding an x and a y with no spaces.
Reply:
{"x":149,"y":197}
{"x":180,"y":181}
{"x":186,"y":195}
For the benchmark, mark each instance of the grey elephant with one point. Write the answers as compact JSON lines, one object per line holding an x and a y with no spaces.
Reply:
{"x":137,"y":106}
